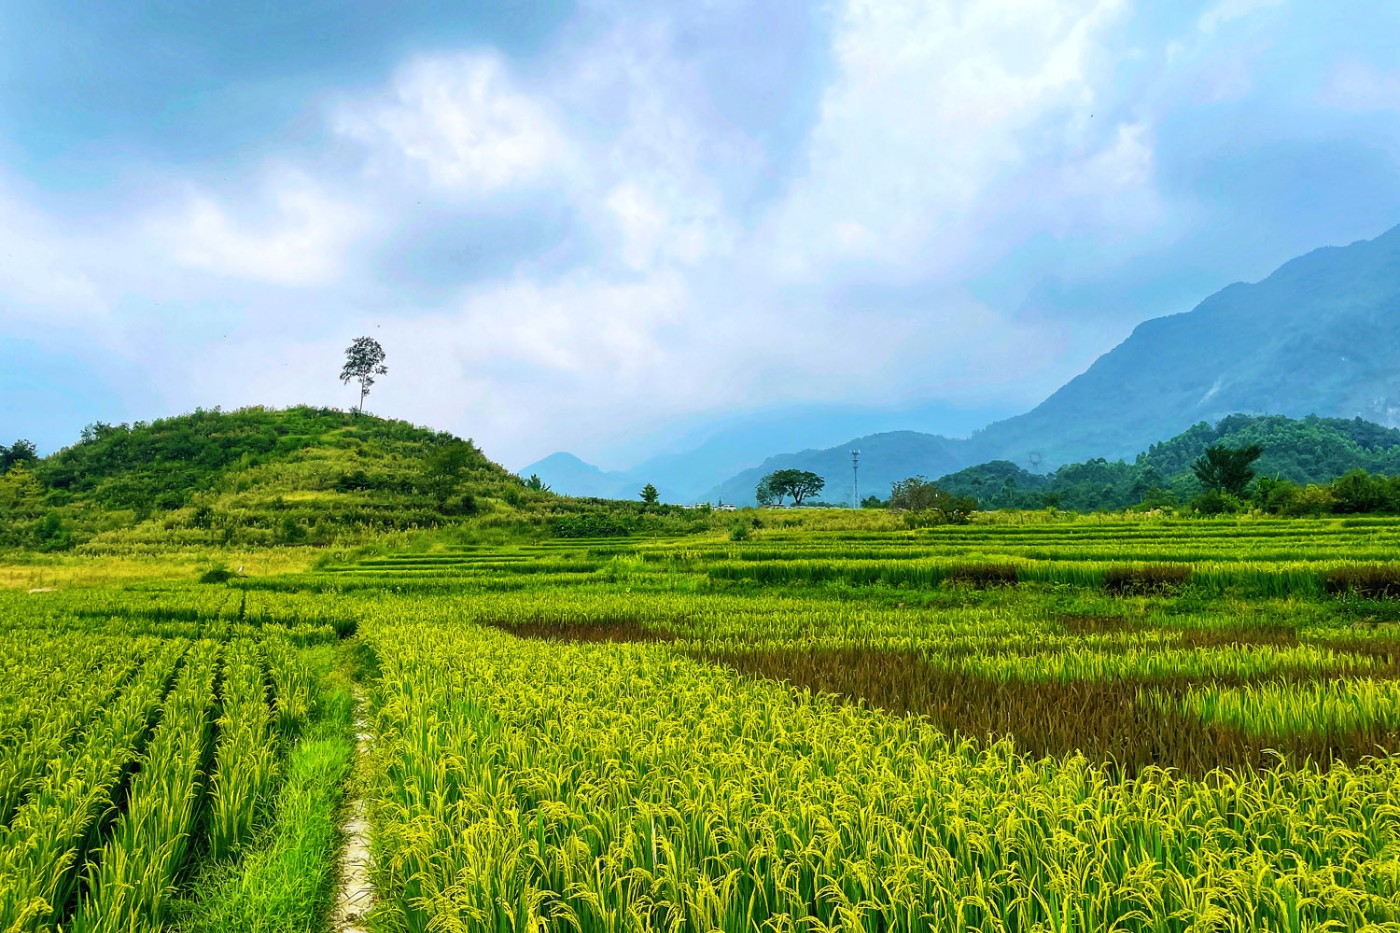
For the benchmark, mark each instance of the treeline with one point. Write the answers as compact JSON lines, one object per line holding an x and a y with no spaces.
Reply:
{"x":1306,"y":466}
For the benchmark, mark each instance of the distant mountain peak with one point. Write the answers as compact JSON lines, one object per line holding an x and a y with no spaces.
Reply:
{"x":1312,"y":338}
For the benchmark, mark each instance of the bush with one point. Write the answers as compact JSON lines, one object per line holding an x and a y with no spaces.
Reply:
{"x":589,"y":525}
{"x":216,"y":575}
{"x":1213,"y":502}
{"x":983,"y":576}
{"x":1374,"y":582}
{"x":50,"y":534}
{"x":739,"y":531}
{"x":925,"y":504}
{"x":464,"y":504}
{"x":1146,"y":580}
{"x":1359,"y":493}
{"x":291,"y":531}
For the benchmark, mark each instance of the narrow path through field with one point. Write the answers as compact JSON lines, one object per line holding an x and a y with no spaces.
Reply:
{"x":356,"y":894}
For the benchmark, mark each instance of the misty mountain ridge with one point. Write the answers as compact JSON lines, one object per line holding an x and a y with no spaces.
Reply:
{"x":688,"y":471}
{"x":1313,"y":338}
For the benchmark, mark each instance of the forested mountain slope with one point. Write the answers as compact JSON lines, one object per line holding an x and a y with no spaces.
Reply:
{"x":1314,"y":338}
{"x":1307,"y":450}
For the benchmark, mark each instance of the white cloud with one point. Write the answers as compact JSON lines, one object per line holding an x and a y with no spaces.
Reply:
{"x":935,"y":104}
{"x":294,"y":234}
{"x":461,"y":120}
{"x":1358,"y":86}
{"x":47,"y":272}
{"x":584,"y":325}
{"x":650,"y":234}
{"x":1227,"y":11}
{"x":928,"y":117}
{"x":1112,"y":188}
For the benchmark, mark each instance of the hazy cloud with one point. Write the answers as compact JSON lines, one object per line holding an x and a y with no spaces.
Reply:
{"x":289,"y":233}
{"x":460,"y":120}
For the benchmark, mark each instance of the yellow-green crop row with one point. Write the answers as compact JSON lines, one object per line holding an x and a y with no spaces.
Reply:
{"x":246,"y":754}
{"x":129,"y":880}
{"x":1283,"y":708}
{"x":47,"y":715}
{"x":40,"y":848}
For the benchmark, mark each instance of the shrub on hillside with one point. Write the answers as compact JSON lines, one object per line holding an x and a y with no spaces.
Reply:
{"x":589,"y":525}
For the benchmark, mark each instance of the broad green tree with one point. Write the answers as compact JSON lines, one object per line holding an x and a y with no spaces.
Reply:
{"x":796,"y":483}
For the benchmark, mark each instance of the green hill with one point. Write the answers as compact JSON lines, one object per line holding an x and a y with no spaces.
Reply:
{"x":215,"y":482}
{"x":251,"y":477}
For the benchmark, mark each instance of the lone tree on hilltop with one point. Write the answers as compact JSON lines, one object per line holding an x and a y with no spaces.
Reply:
{"x":781,"y":483}
{"x":364,"y":359}
{"x":649,"y":494}
{"x":1227,"y":469}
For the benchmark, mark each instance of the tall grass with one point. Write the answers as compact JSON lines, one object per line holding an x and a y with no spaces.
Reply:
{"x":285,"y":882}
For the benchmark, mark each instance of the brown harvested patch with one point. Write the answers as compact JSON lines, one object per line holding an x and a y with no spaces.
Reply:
{"x":1377,"y":582}
{"x":1279,"y":636}
{"x":1387,"y":652}
{"x":620,"y":630}
{"x":1149,"y":580}
{"x":1106,"y":721}
{"x":1076,"y":624}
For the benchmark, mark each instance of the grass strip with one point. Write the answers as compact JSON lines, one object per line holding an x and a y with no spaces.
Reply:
{"x":286,"y":880}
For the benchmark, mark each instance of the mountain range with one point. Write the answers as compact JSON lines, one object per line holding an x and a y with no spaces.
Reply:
{"x":1313,"y":338}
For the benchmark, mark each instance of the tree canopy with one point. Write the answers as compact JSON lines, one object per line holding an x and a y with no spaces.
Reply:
{"x":917,"y":495}
{"x":364,"y":359}
{"x":1227,"y":469}
{"x":21,"y":451}
{"x":778,"y":485}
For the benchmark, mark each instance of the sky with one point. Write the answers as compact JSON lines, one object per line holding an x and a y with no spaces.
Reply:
{"x":600,"y":226}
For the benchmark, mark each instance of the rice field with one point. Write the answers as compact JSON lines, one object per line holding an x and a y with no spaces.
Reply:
{"x":1146,"y":725}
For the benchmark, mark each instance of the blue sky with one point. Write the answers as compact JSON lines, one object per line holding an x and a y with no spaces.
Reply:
{"x":596,"y":226}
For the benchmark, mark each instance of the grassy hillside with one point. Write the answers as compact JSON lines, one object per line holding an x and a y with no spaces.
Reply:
{"x":229,"y":485}
{"x":252,"y":477}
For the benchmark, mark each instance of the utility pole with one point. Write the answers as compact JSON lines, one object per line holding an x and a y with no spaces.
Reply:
{"x":855,"y":478}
